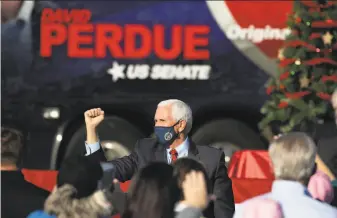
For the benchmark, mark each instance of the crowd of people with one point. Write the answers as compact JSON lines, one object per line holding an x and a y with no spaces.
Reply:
{"x":170,"y":177}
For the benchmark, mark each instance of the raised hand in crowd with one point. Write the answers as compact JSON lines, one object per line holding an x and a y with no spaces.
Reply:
{"x":195,"y":190}
{"x":93,"y":118}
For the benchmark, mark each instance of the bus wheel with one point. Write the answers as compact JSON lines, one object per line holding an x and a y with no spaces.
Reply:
{"x":229,"y":135}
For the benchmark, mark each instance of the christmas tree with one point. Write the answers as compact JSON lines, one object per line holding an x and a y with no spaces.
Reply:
{"x":300,"y":93}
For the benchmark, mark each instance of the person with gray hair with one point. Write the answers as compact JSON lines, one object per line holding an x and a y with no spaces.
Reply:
{"x":293,"y":157}
{"x":172,"y":124}
{"x":293,"y":160}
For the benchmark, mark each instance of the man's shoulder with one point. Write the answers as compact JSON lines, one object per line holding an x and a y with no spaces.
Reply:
{"x":240,"y":207}
{"x":16,"y":180}
{"x":33,"y":190}
{"x":146,"y":143}
{"x":304,"y":207}
{"x":320,"y":206}
{"x":254,"y":199}
{"x":327,"y":141}
{"x":209,"y":150}
{"x":331,"y":211}
{"x":210,"y":156}
{"x":38,"y":191}
{"x":327,"y":150}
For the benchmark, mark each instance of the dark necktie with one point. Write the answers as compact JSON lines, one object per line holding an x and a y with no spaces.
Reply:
{"x":174,"y":155}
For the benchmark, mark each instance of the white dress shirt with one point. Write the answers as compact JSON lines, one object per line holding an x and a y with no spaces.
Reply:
{"x":181,"y":149}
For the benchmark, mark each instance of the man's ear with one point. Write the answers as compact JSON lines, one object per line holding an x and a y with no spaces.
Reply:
{"x":182,"y":125}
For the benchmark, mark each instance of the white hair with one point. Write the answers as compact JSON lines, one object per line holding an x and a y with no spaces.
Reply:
{"x":180,"y":111}
{"x":293,"y":157}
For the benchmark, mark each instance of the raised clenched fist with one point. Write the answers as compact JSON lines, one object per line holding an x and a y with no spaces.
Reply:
{"x":93,"y":117}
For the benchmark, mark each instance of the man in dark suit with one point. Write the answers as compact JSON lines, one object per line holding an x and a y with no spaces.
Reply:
{"x":327,"y":147}
{"x":173,"y":122}
{"x":18,"y":197}
{"x":20,"y":36}
{"x":327,"y":151}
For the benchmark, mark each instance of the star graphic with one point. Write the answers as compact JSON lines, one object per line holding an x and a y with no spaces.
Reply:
{"x":116,"y":71}
{"x":327,"y":38}
{"x":304,"y":82}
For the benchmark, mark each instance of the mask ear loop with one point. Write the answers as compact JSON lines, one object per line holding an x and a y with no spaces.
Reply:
{"x":178,"y":133}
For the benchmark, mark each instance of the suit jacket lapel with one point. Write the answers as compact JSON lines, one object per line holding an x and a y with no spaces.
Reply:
{"x":160,"y":154}
{"x":193,"y":151}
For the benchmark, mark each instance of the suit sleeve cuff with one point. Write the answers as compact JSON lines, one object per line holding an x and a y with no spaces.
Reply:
{"x":91,"y":148}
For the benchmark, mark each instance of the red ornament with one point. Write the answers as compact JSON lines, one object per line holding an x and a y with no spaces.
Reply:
{"x":284,"y":75}
{"x":316,"y":61}
{"x":286,"y":62}
{"x":327,"y":51}
{"x":283,"y":104}
{"x":297,"y":95}
{"x":324,"y":96}
{"x":326,"y":78}
{"x":324,"y":24}
{"x":312,"y":4}
{"x":318,"y":50}
{"x":297,"y":43}
{"x":314,"y":10}
{"x":298,"y":20}
{"x":315,"y":35}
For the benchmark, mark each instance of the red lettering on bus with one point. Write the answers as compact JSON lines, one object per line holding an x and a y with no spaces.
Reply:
{"x":189,"y":41}
{"x":77,"y":37}
{"x":193,"y":40}
{"x":130,"y":47}
{"x":51,"y":35}
{"x":159,"y":42}
{"x":65,"y":16}
{"x":110,"y":42}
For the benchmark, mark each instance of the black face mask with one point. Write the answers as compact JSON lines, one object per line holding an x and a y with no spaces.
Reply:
{"x":166,"y":134}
